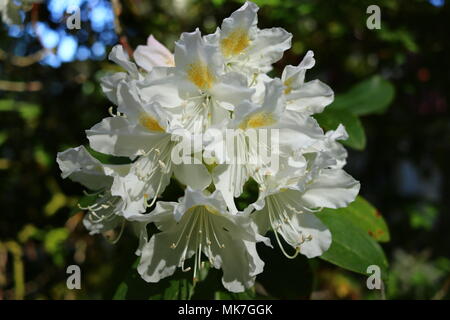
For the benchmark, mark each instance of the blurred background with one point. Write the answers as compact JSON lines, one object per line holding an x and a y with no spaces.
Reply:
{"x":50,"y":93}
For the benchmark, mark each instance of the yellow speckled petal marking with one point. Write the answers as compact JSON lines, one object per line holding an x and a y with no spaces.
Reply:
{"x":150,"y":123}
{"x":258,"y":120}
{"x":236,"y":42}
{"x":288,"y":84}
{"x":200,"y":75}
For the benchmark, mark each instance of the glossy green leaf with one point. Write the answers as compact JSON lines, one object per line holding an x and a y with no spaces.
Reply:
{"x":106,"y":158}
{"x":373,"y":95}
{"x":366,"y":217}
{"x":351,"y":248}
{"x":330,"y":120}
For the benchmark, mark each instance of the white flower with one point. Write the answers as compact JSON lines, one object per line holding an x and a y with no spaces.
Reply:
{"x":286,"y":133}
{"x":288,"y":200}
{"x":330,"y":150}
{"x":246,"y":47}
{"x":107,"y":212}
{"x":144,"y":133}
{"x":154,"y":85}
{"x":201,"y":224}
{"x":209,"y":92}
{"x":110,"y":83}
{"x":215,"y":85}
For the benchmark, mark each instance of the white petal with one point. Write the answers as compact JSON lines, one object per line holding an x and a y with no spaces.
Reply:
{"x":139,"y":227}
{"x":116,"y":136}
{"x":272,"y":107}
{"x":331,"y":189}
{"x":129,"y":102}
{"x":160,"y":86}
{"x":273,"y":99}
{"x":294,"y":77}
{"x":243,"y":18}
{"x":137,"y":191}
{"x":232,"y":88}
{"x":81,"y":167}
{"x":192,"y":49}
{"x":193,"y":198}
{"x":260,"y":87}
{"x":231,"y":247}
{"x":261,"y":217}
{"x":310,"y":98}
{"x":119,"y":56}
{"x":154,"y":54}
{"x":110,"y":84}
{"x":195,"y":176}
{"x":96,"y":226}
{"x":229,"y":179}
{"x":240,"y":265}
{"x":268,"y":47}
{"x":318,"y":234}
{"x":158,"y":259}
{"x":303,"y":231}
{"x":298,"y":131}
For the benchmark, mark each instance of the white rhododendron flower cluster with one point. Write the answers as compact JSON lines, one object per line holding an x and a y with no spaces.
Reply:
{"x":211,"y":117}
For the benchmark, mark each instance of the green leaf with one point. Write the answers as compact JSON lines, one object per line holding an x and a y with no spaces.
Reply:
{"x":373,"y":95}
{"x":54,"y":244}
{"x":330,"y":120}
{"x":351,"y":248}
{"x":28,"y":111}
{"x":218,"y":3}
{"x":106,"y":158}
{"x":224,"y":294}
{"x":3,"y":137}
{"x":366,"y":217}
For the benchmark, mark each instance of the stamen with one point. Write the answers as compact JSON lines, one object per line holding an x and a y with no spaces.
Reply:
{"x":198,"y":244}
{"x":174,"y":245}
{"x":117,"y":114}
{"x":183,"y":268}
{"x":313,"y":210}
{"x":86,"y":193}
{"x":221,"y":245}
{"x":122,"y":227}
{"x":294,"y":209}
{"x":297,"y":249}
{"x":188,"y":238}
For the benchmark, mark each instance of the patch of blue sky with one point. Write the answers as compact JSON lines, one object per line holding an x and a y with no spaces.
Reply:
{"x":58,"y":8}
{"x":15,"y":31}
{"x":108,"y":37}
{"x":51,"y":60}
{"x":437,"y":3}
{"x":98,"y":50}
{"x":67,"y":48}
{"x":102,"y":17}
{"x":49,"y":38}
{"x":98,"y":13}
{"x":83,"y":53}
